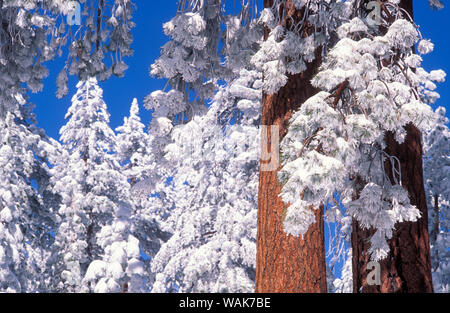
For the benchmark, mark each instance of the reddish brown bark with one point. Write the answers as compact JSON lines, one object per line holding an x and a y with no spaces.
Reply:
{"x":286,"y":263}
{"x":436,"y":221}
{"x":407,"y":268}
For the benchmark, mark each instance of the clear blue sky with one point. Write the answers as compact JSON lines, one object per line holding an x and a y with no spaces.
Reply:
{"x":148,"y":38}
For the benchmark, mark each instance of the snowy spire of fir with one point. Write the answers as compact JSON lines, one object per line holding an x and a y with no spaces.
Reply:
{"x":95,"y":210}
{"x":133,"y":145}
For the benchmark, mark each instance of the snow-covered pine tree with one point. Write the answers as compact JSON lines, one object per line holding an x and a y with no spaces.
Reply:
{"x":138,"y":164}
{"x":191,"y":64}
{"x":211,"y":198}
{"x":25,"y":220}
{"x":213,"y":222}
{"x":133,"y":151}
{"x":97,"y":251}
{"x":436,"y":166}
{"x":407,"y":268}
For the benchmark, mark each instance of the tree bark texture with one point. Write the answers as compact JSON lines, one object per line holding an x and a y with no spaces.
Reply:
{"x":286,"y":263}
{"x":407,"y":268}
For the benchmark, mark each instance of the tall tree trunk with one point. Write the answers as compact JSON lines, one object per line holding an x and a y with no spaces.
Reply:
{"x":286,"y":263}
{"x":407,"y":268}
{"x":436,"y":221}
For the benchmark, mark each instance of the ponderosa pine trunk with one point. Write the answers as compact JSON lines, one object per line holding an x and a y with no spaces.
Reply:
{"x":287,"y":263}
{"x":407,"y":268}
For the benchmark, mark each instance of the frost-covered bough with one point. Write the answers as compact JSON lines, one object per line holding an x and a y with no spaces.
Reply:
{"x":369,"y":84}
{"x":213,"y":222}
{"x":436,"y":177}
{"x":36,"y":31}
{"x":190,"y":61}
{"x":344,"y":283}
{"x":290,"y":46}
{"x":96,"y":251}
{"x":24,"y":46}
{"x":102,"y":32}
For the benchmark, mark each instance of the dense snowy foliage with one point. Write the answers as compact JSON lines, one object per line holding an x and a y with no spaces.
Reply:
{"x":95,"y":246}
{"x":33,"y":32}
{"x":437,"y":184}
{"x":25,"y":213}
{"x":370,"y":83}
{"x":213,"y":220}
{"x":173,"y":207}
{"x":190,"y":61}
{"x":212,"y":152}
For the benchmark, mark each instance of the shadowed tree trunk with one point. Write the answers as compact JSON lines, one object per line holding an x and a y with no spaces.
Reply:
{"x":407,"y":268}
{"x":286,"y":263}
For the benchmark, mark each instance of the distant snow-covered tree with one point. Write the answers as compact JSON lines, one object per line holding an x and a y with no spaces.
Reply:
{"x":42,"y":26}
{"x":339,"y":250}
{"x":25,"y":220}
{"x":344,"y":284}
{"x":97,"y":251}
{"x":138,"y":164}
{"x":213,"y":221}
{"x":437,"y":185}
{"x":133,"y":149}
{"x":104,"y":32}
{"x":31,"y":33}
